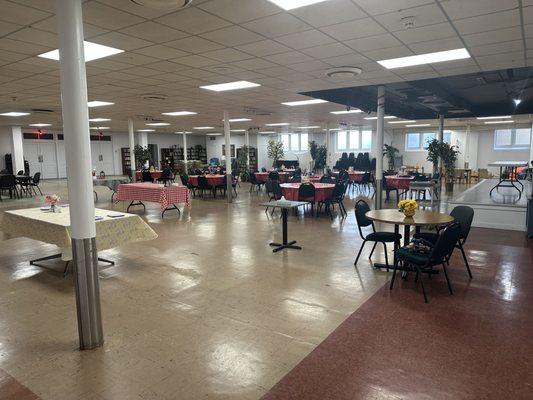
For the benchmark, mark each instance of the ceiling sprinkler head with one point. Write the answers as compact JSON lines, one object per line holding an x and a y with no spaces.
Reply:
{"x":408,"y":22}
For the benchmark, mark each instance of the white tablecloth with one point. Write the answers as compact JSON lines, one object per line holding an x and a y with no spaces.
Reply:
{"x":54,"y":228}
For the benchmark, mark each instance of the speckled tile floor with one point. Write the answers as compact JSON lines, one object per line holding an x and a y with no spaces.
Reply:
{"x":204,"y":311}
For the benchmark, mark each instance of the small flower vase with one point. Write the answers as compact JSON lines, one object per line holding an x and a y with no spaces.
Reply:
{"x":409,"y":213}
{"x":52,"y":208}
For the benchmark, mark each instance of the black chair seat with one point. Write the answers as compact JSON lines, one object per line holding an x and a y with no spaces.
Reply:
{"x":411,"y":257}
{"x":428,"y":236}
{"x":383,"y":236}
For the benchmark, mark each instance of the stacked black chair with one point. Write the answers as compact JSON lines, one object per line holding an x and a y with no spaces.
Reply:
{"x":306,"y":192}
{"x":9,"y":184}
{"x":254,"y":183}
{"x":34,"y":183}
{"x":337,"y":197}
{"x":203,"y":185}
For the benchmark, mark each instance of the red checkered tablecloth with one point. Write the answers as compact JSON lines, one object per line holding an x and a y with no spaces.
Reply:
{"x":153,"y":193}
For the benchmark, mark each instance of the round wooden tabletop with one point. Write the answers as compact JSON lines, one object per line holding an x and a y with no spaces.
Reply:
{"x":421,"y":217}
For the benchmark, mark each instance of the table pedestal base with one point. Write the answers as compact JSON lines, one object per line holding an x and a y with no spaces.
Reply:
{"x":281,"y":246}
{"x":37,"y":263}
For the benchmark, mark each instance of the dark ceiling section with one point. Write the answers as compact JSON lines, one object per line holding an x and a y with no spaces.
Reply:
{"x":481,"y":94}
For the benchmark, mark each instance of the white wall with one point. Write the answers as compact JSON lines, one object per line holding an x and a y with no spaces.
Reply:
{"x":5,"y":144}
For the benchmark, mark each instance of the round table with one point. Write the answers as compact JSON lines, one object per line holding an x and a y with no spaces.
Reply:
{"x":213,"y":180}
{"x":399,"y":182}
{"x":323,"y":191}
{"x":263,"y":176}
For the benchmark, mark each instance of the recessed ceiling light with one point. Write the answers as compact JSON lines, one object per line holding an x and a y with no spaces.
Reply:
{"x":221,"y":87}
{"x":97,"y":103}
{"x":304,"y":102}
{"x":517,"y":102}
{"x":265,"y":132}
{"x":145,"y":130}
{"x":429,"y":58}
{"x":417,"y":125}
{"x":15,"y":114}
{"x":157,"y":124}
{"x":375,"y":118}
{"x":309,"y":127}
{"x":333,"y":129}
{"x":213,"y":134}
{"x":99,"y":128}
{"x":507,"y":121}
{"x":39,"y":125}
{"x":409,"y":121}
{"x":292,"y":4}
{"x":179,"y":113}
{"x":354,"y":111}
{"x":502,"y":117}
{"x":182,"y":132}
{"x":203,"y":128}
{"x":99,"y":119}
{"x":278,"y":124}
{"x":93,"y":51}
{"x":237,"y":130}
{"x":239,"y":119}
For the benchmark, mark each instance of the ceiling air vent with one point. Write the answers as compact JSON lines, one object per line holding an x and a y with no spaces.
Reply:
{"x":41,"y":111}
{"x":343,"y":73}
{"x":166,"y":5}
{"x":154,"y":97}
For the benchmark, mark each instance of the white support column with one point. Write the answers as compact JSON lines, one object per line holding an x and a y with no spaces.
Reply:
{"x":247,"y":144}
{"x":467,"y":147}
{"x":131,"y":137}
{"x":185,"y":150}
{"x":440,"y":138}
{"x":17,"y":150}
{"x":380,"y":132}
{"x":143,"y":139}
{"x":80,"y":186}
{"x":328,"y":146}
{"x":227,"y":138}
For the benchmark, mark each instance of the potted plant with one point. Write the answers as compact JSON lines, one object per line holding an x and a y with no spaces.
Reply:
{"x":321,"y":155}
{"x":242,"y":161}
{"x":390,"y":151}
{"x":142,"y":154}
{"x":275,"y":151}
{"x":313,"y":151}
{"x":434,"y":153}
{"x":449,"y":158}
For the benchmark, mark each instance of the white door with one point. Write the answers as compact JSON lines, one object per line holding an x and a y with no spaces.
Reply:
{"x":61,"y":159}
{"x":31,"y":154}
{"x":95,"y":157}
{"x":106,"y":158}
{"x":48,"y":160}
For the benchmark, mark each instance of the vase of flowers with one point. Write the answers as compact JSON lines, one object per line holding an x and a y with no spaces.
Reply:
{"x":408,"y":207}
{"x":52,"y":199}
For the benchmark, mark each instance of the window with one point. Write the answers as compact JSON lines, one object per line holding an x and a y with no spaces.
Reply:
{"x":354,"y":140}
{"x":295,"y":141}
{"x":511,"y":139}
{"x":418,"y":141}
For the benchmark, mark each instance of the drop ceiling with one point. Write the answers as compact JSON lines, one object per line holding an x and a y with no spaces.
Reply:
{"x":216,"y":41}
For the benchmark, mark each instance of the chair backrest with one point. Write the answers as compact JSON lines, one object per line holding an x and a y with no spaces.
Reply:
{"x":7,"y":181}
{"x":184,"y":179}
{"x":147,"y":176}
{"x":306,"y":190}
{"x":263,"y":169}
{"x":366,"y":178}
{"x":274,"y":175}
{"x":268,"y":186}
{"x":326,"y":179}
{"x":445,"y":244}
{"x":464,"y":215}
{"x":203,"y":183}
{"x":21,"y":172}
{"x":361,"y":208}
{"x":166,"y":173}
{"x":296,"y":178}
{"x":343,"y":176}
{"x":253,"y":179}
{"x":37,"y":178}
{"x":339,"y":190}
{"x":276,"y":190}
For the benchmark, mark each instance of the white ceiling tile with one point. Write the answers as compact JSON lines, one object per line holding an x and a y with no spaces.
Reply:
{"x":7,"y":57}
{"x":354,"y":60}
{"x":497,"y":61}
{"x":391,"y":52}
{"x":36,"y":36}
{"x":167,"y":66}
{"x":433,"y":46}
{"x":425,"y":33}
{"x":239,"y":11}
{"x":528,"y":30}
{"x":154,"y":32}
{"x":194,"y":44}
{"x":195,"y":61}
{"x":328,"y":50}
{"x":496,"y":48}
{"x":120,"y":41}
{"x":354,"y":29}
{"x":315,"y":65}
{"x":193,"y":21}
{"x":488,"y":22}
{"x":227,"y":55}
{"x":161,"y":52}
{"x":373,"y":42}
{"x":107,"y":17}
{"x":290,"y":57}
{"x":376,"y":7}
{"x":424,"y":15}
{"x":254,"y":64}
{"x":277,"y":25}
{"x":329,"y":12}
{"x":301,"y":40}
{"x":232,"y":36}
{"x":263,"y":48}
{"x":7,"y":28}
{"x":499,"y":35}
{"x":50,"y":25}
{"x":133,"y":58}
{"x":458,"y":9}
{"x":22,"y":47}
{"x":528,"y":14}
{"x":19,"y":14}
{"x":131,"y":7}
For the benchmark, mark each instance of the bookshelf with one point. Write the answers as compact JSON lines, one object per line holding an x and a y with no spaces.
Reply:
{"x":253,"y":159}
{"x":126,"y":160}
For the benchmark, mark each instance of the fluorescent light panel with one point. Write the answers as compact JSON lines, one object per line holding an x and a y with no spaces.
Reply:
{"x":304,"y":102}
{"x":507,"y":121}
{"x":278,"y":124}
{"x":93,"y":51}
{"x":213,"y":134}
{"x":237,"y":130}
{"x":203,"y":128}
{"x":429,"y":58}
{"x":99,"y":128}
{"x":501,"y":117}
{"x":158,"y":124}
{"x":99,"y":119}
{"x":265,"y":132}
{"x":182,"y":132}
{"x":354,"y":111}
{"x":14,"y":114}
{"x":40,"y":125}
{"x":98,"y":103}
{"x":179,"y":113}
{"x":309,"y":127}
{"x":221,"y":87}
{"x":292,"y":4}
{"x":145,"y":130}
{"x":239,"y":119}
{"x":410,"y":121}
{"x":417,"y":125}
{"x":375,"y":118}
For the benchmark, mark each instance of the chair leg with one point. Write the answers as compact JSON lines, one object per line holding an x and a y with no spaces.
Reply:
{"x":464,"y":258}
{"x":386,"y":256}
{"x":359,"y":254}
{"x":372,"y":252}
{"x":393,"y":273}
{"x":422,"y":284}
{"x":447,"y":279}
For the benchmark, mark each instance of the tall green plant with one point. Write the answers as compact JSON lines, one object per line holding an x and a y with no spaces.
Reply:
{"x":449,"y":155}
{"x":390,"y":152}
{"x":142,"y":154}
{"x":321,"y":155}
{"x":275,"y":151}
{"x":434,"y":153}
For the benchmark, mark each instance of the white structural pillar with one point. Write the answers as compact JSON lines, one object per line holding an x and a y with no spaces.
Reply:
{"x":228,"y":157}
{"x":328,"y":146}
{"x":440,"y":138}
{"x":143,"y":139}
{"x":467,"y":147}
{"x":185,"y":150}
{"x":247,"y":144}
{"x":131,"y":137}
{"x":79,"y":180}
{"x":380,"y":135}
{"x":17,"y":149}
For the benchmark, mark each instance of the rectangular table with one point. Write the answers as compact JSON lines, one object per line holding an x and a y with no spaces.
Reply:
{"x":110,"y":183}
{"x":285,"y":206}
{"x":512,"y":166}
{"x":167,"y":196}
{"x":54,"y":228}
